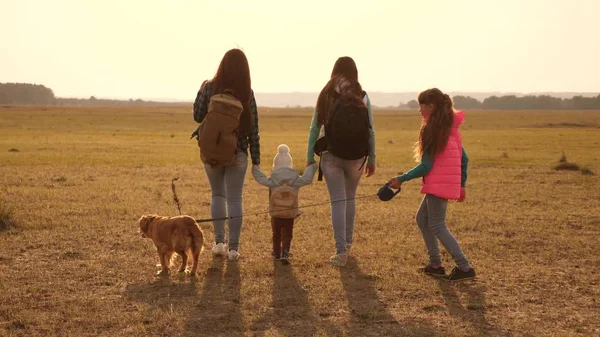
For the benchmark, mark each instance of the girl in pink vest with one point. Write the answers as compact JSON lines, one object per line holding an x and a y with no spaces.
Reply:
{"x":443,"y":166}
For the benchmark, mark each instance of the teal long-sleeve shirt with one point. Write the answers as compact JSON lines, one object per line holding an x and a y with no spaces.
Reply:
{"x":427,"y":163}
{"x":315,"y":129}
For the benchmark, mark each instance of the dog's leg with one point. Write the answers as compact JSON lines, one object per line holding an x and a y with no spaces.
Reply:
{"x":195,"y":255}
{"x":184,"y":261}
{"x":165,"y":260}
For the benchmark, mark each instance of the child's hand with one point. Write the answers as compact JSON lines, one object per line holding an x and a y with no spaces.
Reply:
{"x":395,"y":183}
{"x":370,"y":170}
{"x":463,"y":195}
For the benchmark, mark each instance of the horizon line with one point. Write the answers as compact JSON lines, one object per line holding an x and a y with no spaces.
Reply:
{"x":177,"y":100}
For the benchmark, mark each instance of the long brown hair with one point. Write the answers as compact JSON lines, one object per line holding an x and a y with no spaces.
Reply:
{"x":344,"y":71}
{"x":435,"y":128}
{"x":234,"y":74}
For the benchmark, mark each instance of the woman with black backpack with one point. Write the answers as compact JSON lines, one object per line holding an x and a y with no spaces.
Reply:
{"x":227,"y":110}
{"x":343,"y":124}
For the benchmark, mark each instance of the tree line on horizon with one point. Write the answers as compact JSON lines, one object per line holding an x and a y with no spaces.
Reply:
{"x":26,"y":93}
{"x":37,"y":94}
{"x":528,"y":102}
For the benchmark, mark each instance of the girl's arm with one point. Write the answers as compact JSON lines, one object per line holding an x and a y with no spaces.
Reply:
{"x":254,"y":138}
{"x":261,"y":178}
{"x":313,"y":134}
{"x":201,"y":102}
{"x":418,"y":171}
{"x":372,"y":156}
{"x":307,"y":177}
{"x":464,"y":163}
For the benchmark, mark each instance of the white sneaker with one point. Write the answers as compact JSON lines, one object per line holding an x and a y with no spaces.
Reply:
{"x":219,"y":250}
{"x":234,"y":255}
{"x":339,"y":260}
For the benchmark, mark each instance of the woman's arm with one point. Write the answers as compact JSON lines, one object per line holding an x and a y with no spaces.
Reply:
{"x":372,"y":155}
{"x":313,"y":134}
{"x":254,"y":138}
{"x":201,"y":102}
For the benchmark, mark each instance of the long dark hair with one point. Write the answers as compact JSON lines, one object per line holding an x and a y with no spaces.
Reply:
{"x":234,"y":74}
{"x":435,"y":128}
{"x":344,"y":71}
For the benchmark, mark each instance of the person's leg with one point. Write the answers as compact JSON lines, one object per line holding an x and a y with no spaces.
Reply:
{"x":430,"y":239}
{"x":234,"y":185}
{"x":333,"y":172}
{"x":352,"y":174}
{"x":218,"y":206}
{"x":436,"y":212}
{"x":276,"y":237}
{"x":287,"y":234}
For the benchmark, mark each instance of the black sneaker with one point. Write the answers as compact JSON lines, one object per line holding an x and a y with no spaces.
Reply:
{"x":429,"y":270}
{"x":459,"y":275}
{"x":285,"y":258}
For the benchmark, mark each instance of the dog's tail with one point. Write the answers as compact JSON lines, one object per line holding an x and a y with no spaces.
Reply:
{"x":197,"y":245}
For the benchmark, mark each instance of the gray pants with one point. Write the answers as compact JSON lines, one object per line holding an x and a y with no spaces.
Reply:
{"x":342,"y":177}
{"x":431,"y":218}
{"x":227,"y":185}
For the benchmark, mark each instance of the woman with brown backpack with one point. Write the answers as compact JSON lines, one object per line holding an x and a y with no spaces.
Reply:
{"x":226,"y":108}
{"x":344,"y":122}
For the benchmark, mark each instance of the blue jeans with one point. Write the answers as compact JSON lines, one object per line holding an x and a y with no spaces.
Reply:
{"x":342,"y":177}
{"x":227,"y":185}
{"x":431,"y":218}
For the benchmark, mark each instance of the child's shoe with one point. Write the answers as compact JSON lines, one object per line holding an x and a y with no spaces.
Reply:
{"x":285,"y":258}
{"x":234,"y":255}
{"x":339,"y":260}
{"x":219,"y":250}
{"x":275,"y":256}
{"x":429,"y":270}
{"x":459,"y":275}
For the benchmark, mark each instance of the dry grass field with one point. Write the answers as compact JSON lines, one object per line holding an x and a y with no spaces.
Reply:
{"x":74,"y":181}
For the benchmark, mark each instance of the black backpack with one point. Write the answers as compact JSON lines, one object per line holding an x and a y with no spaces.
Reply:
{"x":347,"y":131}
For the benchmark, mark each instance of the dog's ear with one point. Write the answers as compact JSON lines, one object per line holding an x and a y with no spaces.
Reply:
{"x":145,"y":221}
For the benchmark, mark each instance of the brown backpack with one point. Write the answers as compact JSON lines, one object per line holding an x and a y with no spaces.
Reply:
{"x":283,"y":202}
{"x":218,"y":137}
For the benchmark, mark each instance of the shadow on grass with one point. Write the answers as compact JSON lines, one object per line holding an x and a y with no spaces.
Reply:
{"x":167,"y":298}
{"x":217,"y":312}
{"x":369,"y":315}
{"x":290,"y":312}
{"x":164,"y":291}
{"x":474,"y":312}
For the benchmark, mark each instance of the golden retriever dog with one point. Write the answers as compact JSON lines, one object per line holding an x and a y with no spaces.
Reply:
{"x":179,"y":234}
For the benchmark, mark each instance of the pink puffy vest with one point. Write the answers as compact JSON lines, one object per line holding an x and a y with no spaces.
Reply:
{"x":444,"y":178}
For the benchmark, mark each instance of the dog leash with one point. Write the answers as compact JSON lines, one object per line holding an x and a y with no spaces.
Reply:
{"x":267,"y":212}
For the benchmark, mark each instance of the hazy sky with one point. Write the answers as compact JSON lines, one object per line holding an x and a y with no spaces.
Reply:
{"x":165,"y":48}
